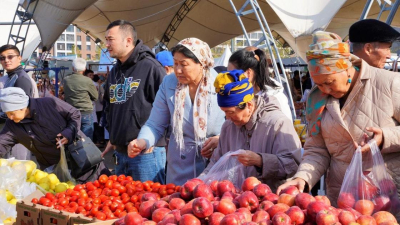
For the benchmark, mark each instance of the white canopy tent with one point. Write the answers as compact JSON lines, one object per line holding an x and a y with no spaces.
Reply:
{"x":224,"y":59}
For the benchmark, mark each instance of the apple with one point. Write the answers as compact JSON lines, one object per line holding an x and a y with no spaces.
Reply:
{"x":187,"y":209}
{"x":366,"y":190}
{"x":249,"y":183}
{"x":265,"y":205}
{"x":250,"y":223}
{"x":303,"y":199}
{"x":224,"y":186}
{"x":346,"y":200}
{"x":265,"y":222}
{"x":202,"y":207}
{"x":326,"y":217}
{"x":174,"y":195}
{"x":228,"y":195}
{"x":281,"y":219}
{"x":384,"y":217}
{"x":215,"y":218}
{"x":133,"y":218}
{"x":286,"y":199}
{"x":313,"y":208}
{"x":248,"y":200}
{"x":355,"y":212}
{"x":335,"y":210}
{"x":345,"y":217}
{"x":189,"y":219}
{"x":215,"y":205}
{"x":261,"y":190}
{"x":277,"y":208}
{"x":159,"y":204}
{"x":149,"y":222}
{"x":145,"y":209}
{"x":203,"y":190}
{"x":366,"y":220}
{"x":242,"y":217}
{"x":245,"y":212}
{"x":188,"y":187}
{"x":213,"y":186}
{"x":322,"y":198}
{"x":382,"y":203}
{"x":159,"y":214}
{"x":226,"y":207}
{"x":260,"y":215}
{"x":291,"y":190}
{"x":149,"y":196}
{"x":353,"y":223}
{"x":176,"y":203}
{"x":172,"y":217}
{"x":364,"y":206}
{"x":296,"y":215}
{"x":271,"y":197}
{"x":231,"y":219}
{"x":388,"y":187}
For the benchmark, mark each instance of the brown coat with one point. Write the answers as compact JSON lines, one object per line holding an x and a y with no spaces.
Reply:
{"x":373,"y":102}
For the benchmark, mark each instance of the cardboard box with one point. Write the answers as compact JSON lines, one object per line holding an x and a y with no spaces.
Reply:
{"x":80,"y":219}
{"x":51,"y":216}
{"x":107,"y":222}
{"x":27,"y":212}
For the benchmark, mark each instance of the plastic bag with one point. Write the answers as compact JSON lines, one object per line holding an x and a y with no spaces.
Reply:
{"x":226,"y":168}
{"x":368,"y":180}
{"x":61,"y":169}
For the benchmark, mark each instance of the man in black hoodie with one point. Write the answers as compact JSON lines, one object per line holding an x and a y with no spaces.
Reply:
{"x":130,"y":90}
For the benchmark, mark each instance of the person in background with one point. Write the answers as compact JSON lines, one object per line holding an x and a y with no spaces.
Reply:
{"x":166,"y":60}
{"x":98,"y":137}
{"x":220,"y":69}
{"x":79,"y":91}
{"x":371,"y":41}
{"x":88,"y":73}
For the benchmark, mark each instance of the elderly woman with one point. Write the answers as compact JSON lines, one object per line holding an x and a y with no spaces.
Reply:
{"x":187,"y":103}
{"x":253,"y":62}
{"x":352,"y":101}
{"x":255,"y":124}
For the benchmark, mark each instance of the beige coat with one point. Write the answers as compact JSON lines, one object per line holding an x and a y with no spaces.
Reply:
{"x":373,"y":102}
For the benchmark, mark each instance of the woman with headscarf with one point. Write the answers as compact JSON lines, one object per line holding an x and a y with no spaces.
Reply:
{"x":187,"y":103}
{"x":255,"y":123}
{"x":351,"y":103}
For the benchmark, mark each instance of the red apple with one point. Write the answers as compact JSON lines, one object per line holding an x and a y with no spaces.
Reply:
{"x":176,"y":203}
{"x":296,"y":215}
{"x":231,"y":219}
{"x":149,"y":222}
{"x":286,"y":199}
{"x":249,"y":183}
{"x":384,"y":217}
{"x":382,"y":203}
{"x":215,"y":218}
{"x":366,"y":220}
{"x":265,"y":222}
{"x":334,"y":210}
{"x":313,"y":208}
{"x":133,"y":218}
{"x":149,"y":196}
{"x":226,"y":207}
{"x":159,"y":214}
{"x":172,"y":217}
{"x":261,"y":190}
{"x":277,"y":208}
{"x":260,"y":215}
{"x":346,"y":200}
{"x":203,"y":190}
{"x":303,"y":199}
{"x":228,"y":195}
{"x":213,"y":186}
{"x":215,"y":205}
{"x":366,"y":190}
{"x":250,"y":223}
{"x":241,"y":217}
{"x":388,"y":187}
{"x":281,"y":219}
{"x":145,"y":209}
{"x":202,"y":207}
{"x":265,"y":205}
{"x":187,"y":209}
{"x":326,"y":217}
{"x":271,"y":197}
{"x":224,"y":186}
{"x":159,"y":204}
{"x":188,"y":187}
{"x":355,"y":212}
{"x":291,"y":190}
{"x":174,"y":195}
{"x":364,"y":206}
{"x":189,"y":219}
{"x":345,"y":217}
{"x":246,"y":213}
{"x":248,"y":200}
{"x":322,"y":198}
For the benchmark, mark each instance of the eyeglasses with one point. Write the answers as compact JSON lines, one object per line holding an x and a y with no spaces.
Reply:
{"x":9,"y":57}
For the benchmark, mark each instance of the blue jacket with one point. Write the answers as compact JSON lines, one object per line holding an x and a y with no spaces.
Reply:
{"x":180,"y":167}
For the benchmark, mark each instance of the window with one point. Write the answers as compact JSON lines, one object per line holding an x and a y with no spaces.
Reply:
{"x":78,"y":30}
{"x":87,"y":38}
{"x":70,"y":46}
{"x":88,"y":56}
{"x":70,"y":37}
{"x":79,"y":38}
{"x":60,"y":46}
{"x":79,"y":47}
{"x":88,"y":47}
{"x":60,"y":54}
{"x":70,"y":28}
{"x":253,"y":36}
{"x":79,"y":55}
{"x":61,"y":38}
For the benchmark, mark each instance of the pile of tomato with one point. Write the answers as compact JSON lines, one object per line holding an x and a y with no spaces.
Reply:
{"x":109,"y":197}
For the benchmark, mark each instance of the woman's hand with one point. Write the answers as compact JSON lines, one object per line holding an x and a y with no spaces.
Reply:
{"x":378,"y":137}
{"x":108,"y":148}
{"x":135,"y":147}
{"x":209,"y":146}
{"x":298,"y":182}
{"x":249,"y":158}
{"x":61,"y":139}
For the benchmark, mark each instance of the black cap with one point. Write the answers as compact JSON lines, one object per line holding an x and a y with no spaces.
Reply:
{"x":370,"y":30}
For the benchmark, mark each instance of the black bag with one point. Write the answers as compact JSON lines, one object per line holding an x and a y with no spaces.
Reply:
{"x":82,"y":156}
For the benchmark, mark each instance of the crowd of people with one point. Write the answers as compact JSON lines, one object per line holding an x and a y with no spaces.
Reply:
{"x":171,"y":116}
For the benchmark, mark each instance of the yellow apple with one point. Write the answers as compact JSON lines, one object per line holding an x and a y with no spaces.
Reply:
{"x":53,"y":179}
{"x":45,"y":186}
{"x":15,"y":163}
{"x":61,"y":187}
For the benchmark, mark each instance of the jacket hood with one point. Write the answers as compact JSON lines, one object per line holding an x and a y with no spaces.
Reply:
{"x":139,"y":52}
{"x":265,"y":104}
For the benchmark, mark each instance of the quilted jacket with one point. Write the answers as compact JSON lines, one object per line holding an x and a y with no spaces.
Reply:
{"x":373,"y":102}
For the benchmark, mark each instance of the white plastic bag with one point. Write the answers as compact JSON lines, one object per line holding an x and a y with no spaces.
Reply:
{"x":226,"y":168}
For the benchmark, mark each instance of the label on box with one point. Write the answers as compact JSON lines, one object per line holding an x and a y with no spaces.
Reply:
{"x":50,"y":217}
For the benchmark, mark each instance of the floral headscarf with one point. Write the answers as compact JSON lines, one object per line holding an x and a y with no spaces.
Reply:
{"x":327,"y":55}
{"x":201,"y":101}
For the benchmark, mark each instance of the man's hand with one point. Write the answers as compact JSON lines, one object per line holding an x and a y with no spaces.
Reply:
{"x":61,"y":139}
{"x":135,"y":147}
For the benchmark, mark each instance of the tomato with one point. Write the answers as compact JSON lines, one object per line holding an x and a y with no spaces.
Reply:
{"x":34,"y":200}
{"x":96,"y":183}
{"x":80,"y":209}
{"x":129,"y":178}
{"x":139,"y":187}
{"x":121,"y":189}
{"x":121,"y":178}
{"x":101,"y":216}
{"x":122,"y":214}
{"x":44,"y":201}
{"x":114,"y":192}
{"x":130,"y":190}
{"x":170,"y":186}
{"x":146,"y":186}
{"x":96,"y":193}
{"x":50,"y":196}
{"x":63,"y":202}
{"x":103,"y":198}
{"x":91,"y":187}
{"x":103,"y":179}
{"x":58,"y":207}
{"x":73,"y":205}
{"x":170,"y":191}
{"x":81,"y":202}
{"x":178,"y":188}
{"x":74,"y":193}
{"x":78,"y":187}
{"x":83,"y":195}
{"x":68,"y":192}
{"x":109,"y":184}
{"x":121,"y":206}
{"x":114,"y":206}
{"x":116,"y":185}
{"x":73,"y":199}
{"x":113,"y":177}
{"x":107,"y":203}
{"x":88,"y":206}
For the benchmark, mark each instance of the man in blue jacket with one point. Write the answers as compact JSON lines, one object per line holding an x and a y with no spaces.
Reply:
{"x":130,"y":90}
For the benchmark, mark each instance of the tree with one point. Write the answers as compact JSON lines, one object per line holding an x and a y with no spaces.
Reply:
{"x":99,"y":47}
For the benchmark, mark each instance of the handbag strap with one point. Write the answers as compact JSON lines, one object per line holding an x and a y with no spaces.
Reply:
{"x":95,"y":168}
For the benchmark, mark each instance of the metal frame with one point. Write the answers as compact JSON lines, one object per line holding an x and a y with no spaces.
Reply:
{"x":392,"y":8}
{"x":267,"y":36}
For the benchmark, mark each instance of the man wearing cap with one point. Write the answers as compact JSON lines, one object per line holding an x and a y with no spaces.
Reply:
{"x":166,"y":60}
{"x":371,"y":40}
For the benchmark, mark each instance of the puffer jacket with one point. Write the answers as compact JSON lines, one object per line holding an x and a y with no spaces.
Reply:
{"x":373,"y":102}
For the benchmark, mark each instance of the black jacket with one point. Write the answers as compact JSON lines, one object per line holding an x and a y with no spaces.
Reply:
{"x":23,"y":81}
{"x":130,"y":90}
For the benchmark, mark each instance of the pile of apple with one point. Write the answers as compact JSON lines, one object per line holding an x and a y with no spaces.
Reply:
{"x":221,"y":203}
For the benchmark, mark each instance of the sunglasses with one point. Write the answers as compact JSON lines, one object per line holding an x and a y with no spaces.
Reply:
{"x":9,"y":57}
